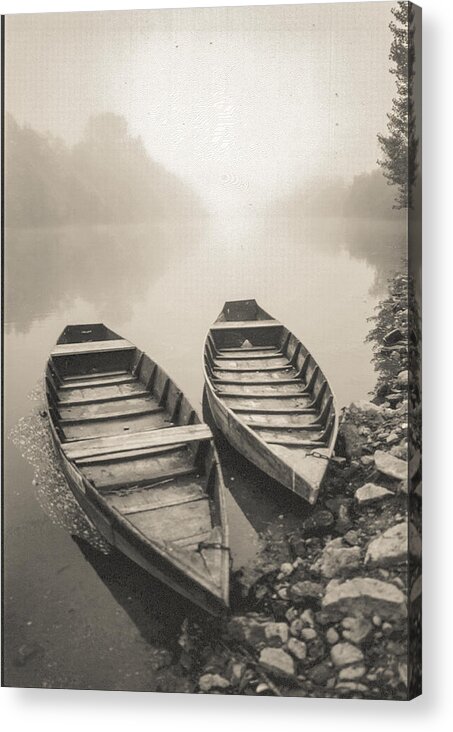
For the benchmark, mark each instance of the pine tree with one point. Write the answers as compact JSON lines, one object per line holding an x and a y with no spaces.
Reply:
{"x":399,"y":147}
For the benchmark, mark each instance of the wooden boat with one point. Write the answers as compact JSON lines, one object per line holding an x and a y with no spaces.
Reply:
{"x":269,"y":397}
{"x":139,"y":462}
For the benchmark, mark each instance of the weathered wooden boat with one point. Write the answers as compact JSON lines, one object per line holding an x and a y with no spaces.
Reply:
{"x":269,"y":397}
{"x":139,"y":462}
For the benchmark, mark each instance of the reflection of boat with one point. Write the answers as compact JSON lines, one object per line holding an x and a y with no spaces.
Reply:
{"x":269,"y":397}
{"x":140,"y":463}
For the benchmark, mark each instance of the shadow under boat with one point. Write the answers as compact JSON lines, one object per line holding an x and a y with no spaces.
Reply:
{"x":261,"y":498}
{"x":154,"y":608}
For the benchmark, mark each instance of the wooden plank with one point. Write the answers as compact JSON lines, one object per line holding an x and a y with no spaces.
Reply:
{"x":269,"y":379}
{"x":120,"y":443}
{"x":279,"y":420}
{"x":108,"y":381}
{"x":178,"y":500}
{"x":95,"y":375}
{"x":175,"y":523}
{"x":79,"y":402}
{"x":105,"y":407}
{"x":247,"y":324}
{"x":281,"y":409}
{"x":115,"y":481}
{"x":190,"y":543}
{"x":117,"y":457}
{"x":249,"y":349}
{"x":99,"y":393}
{"x":273,"y":391}
{"x":150,"y":409}
{"x":296,"y":438}
{"x":254,"y":368}
{"x":181,"y":489}
{"x":127,"y":425}
{"x":251,"y":357}
{"x":76,"y":349}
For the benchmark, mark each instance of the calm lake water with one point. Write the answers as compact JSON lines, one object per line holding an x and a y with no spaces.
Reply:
{"x":76,"y":616}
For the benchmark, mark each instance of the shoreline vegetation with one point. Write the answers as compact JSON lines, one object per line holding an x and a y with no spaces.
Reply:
{"x":330,"y":618}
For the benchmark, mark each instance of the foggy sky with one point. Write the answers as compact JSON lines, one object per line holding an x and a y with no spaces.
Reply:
{"x":244,"y":103}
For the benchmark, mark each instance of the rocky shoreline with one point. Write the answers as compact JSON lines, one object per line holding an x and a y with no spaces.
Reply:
{"x":330,"y":618}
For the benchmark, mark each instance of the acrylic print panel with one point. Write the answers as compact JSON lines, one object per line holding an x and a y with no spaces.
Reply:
{"x":212,"y":477}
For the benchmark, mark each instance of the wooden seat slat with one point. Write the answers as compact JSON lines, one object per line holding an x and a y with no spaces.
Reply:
{"x":137,"y":440}
{"x":75,"y":349}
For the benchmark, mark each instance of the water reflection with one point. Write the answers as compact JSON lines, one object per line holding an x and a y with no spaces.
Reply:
{"x":109,"y":267}
{"x":150,"y":605}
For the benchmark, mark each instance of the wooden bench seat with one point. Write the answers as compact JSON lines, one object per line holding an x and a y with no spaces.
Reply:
{"x":149,"y":439}
{"x":75,"y":349}
{"x":235,"y":324}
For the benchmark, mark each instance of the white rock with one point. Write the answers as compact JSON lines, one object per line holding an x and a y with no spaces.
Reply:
{"x":389,"y":465}
{"x":352,"y":673}
{"x":308,"y":634}
{"x":296,"y":627}
{"x":356,"y":629}
{"x":364,"y":596}
{"x":366,"y":407}
{"x":308,"y":617}
{"x":276,"y":632}
{"x":277,"y":661}
{"x":286,"y":569}
{"x":337,"y":559}
{"x":345,"y":654}
{"x":389,"y":548}
{"x":332,"y":636}
{"x":371,"y":493}
{"x":297,"y":648}
{"x":212,"y":681}
{"x":403,"y":378}
{"x":392,"y":438}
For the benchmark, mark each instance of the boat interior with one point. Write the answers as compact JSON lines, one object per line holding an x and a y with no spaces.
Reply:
{"x":136,"y":439}
{"x":269,"y":380}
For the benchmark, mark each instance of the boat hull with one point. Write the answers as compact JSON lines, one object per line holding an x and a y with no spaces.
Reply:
{"x":259,"y":370}
{"x":162,"y":559}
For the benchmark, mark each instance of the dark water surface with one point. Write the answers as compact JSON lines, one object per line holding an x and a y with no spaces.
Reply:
{"x":76,"y":614}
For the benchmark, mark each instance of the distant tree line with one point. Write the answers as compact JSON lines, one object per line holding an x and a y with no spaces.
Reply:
{"x":107,"y":177}
{"x":366,"y":196}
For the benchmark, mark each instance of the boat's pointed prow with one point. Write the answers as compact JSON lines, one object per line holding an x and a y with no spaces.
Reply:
{"x":243,"y":310}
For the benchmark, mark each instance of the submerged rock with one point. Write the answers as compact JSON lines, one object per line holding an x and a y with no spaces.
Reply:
{"x":364,"y":596}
